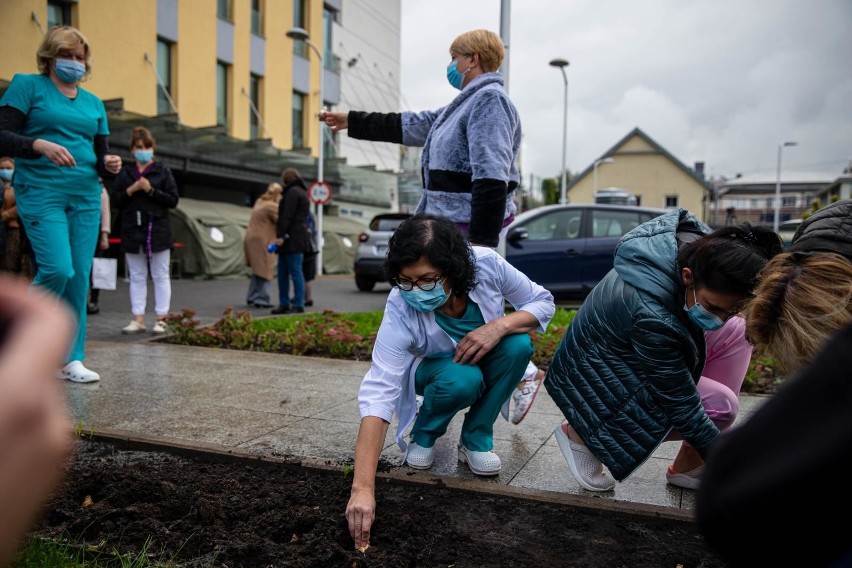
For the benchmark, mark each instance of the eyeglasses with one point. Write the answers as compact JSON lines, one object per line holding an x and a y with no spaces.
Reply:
{"x":425,"y":284}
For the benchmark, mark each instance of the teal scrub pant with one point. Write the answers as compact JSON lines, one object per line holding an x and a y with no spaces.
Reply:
{"x":449,"y":387}
{"x":63,"y":230}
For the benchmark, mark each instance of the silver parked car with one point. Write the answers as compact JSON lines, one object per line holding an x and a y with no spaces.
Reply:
{"x":568,"y":249}
{"x":373,"y":249}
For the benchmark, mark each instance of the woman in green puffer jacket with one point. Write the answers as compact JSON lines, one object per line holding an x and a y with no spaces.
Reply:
{"x":625,"y":374}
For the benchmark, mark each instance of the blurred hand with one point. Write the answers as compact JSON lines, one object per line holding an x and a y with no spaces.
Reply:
{"x":112,"y":163}
{"x":35,"y":428}
{"x":57,"y":154}
{"x":103,"y":243}
{"x":337,"y":121}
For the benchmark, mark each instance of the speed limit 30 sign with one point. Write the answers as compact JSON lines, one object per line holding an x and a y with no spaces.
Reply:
{"x":319,"y":192}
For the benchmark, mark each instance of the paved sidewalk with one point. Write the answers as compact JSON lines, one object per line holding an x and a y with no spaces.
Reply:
{"x":305,"y":407}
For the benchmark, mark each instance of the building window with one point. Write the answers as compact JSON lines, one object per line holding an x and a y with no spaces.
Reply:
{"x":298,"y":120}
{"x":58,"y":13}
{"x":671,"y":201}
{"x":788,"y":201}
{"x":299,"y":11}
{"x":223,"y":9}
{"x":330,"y":60}
{"x":256,"y":18}
{"x":164,"y":70}
{"x":254,"y":111}
{"x":222,"y":94}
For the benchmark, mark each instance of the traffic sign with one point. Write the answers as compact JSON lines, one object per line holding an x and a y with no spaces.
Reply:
{"x":319,"y":192}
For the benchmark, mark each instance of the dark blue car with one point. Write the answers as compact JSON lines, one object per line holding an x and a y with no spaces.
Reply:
{"x":568,"y":249}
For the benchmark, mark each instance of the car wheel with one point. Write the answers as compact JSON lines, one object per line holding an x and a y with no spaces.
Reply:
{"x":364,"y":284}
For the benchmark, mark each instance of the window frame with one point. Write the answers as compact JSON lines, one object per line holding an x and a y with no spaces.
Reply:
{"x":298,"y":126}
{"x":222,"y":99}
{"x":65,"y":13}
{"x":166,"y":75}
{"x":257,"y":19}
{"x":255,"y":90}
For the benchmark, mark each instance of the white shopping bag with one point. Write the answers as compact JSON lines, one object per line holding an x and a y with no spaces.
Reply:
{"x":104,"y":272}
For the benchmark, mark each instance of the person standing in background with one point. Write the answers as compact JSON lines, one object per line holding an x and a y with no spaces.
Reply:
{"x":309,"y":264}
{"x":103,"y":246}
{"x":259,"y":234}
{"x":292,"y":241}
{"x":16,"y":259}
{"x":144,"y":192}
{"x":469,"y":159}
{"x":58,"y":133}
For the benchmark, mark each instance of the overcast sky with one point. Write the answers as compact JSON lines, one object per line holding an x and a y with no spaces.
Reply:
{"x":723,"y":82}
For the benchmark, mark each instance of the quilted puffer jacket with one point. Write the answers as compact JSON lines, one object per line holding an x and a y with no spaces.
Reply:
{"x":829,"y":229}
{"x":626,"y":370}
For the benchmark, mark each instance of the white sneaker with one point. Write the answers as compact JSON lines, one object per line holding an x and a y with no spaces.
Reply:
{"x":480,"y":463}
{"x":76,"y":372}
{"x":133,"y":327}
{"x":159,"y":327}
{"x":587,"y":470}
{"x":419,"y":457}
{"x":524,"y":397}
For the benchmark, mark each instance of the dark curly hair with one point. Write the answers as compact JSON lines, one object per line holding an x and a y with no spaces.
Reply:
{"x":441,"y":243}
{"x":729,"y":259}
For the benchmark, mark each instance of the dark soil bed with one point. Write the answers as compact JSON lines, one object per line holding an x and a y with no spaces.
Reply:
{"x":214,"y":512}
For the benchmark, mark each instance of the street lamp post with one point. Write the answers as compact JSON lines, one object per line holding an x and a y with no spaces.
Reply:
{"x":297,"y":33}
{"x":777,"y":220}
{"x":562,"y":64}
{"x":595,"y":173}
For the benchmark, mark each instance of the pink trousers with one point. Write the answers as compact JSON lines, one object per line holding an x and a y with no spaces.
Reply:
{"x":728,"y":357}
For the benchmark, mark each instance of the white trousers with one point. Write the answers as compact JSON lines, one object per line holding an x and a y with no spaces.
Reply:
{"x":137,"y":267}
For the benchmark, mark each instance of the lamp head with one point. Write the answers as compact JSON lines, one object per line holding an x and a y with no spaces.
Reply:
{"x":298,"y":33}
{"x":606,"y":161}
{"x":559,"y":62}
{"x":791,"y":143}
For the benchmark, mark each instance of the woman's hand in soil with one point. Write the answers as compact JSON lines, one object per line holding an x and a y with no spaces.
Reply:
{"x":360,"y":513}
{"x":35,"y":430}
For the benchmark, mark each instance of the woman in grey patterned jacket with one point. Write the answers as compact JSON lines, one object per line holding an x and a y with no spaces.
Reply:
{"x":469,"y":146}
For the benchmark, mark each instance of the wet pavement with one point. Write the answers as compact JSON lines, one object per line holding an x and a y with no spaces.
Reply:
{"x":306,"y":408}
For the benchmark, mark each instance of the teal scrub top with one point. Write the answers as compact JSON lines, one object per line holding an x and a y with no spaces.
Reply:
{"x":457,"y":328}
{"x":72,"y":123}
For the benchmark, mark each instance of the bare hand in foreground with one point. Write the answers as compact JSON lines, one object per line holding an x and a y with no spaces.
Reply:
{"x":360,"y":513}
{"x":35,"y":429}
{"x":337,"y":121}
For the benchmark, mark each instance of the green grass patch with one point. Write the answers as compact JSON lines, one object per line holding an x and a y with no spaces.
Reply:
{"x":41,"y":552}
{"x":351,"y":336}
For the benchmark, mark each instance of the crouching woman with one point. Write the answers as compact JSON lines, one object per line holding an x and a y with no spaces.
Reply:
{"x":445,"y":336}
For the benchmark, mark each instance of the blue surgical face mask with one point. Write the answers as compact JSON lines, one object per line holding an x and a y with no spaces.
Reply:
{"x":70,"y":70}
{"x":425,"y":301}
{"x":701,"y":317}
{"x":143,"y":156}
{"x":6,"y":175}
{"x":454,"y":76}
